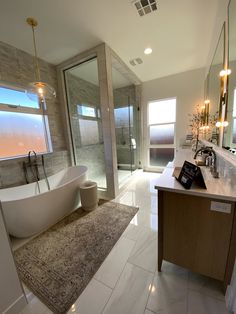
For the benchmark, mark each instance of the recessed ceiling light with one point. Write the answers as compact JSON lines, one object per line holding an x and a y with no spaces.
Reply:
{"x":148,"y":51}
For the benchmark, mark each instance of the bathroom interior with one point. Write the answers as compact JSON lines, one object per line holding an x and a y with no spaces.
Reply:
{"x":123,"y":119}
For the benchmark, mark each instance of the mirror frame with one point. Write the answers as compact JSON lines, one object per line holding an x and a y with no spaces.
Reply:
{"x":225,"y":94}
{"x":228,"y":79}
{"x":222,"y":94}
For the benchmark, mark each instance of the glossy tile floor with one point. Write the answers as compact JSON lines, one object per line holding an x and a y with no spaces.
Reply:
{"x":127,"y":281}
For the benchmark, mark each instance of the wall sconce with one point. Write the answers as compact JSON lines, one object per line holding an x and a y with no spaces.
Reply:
{"x":223,"y":99}
{"x":42,"y":89}
{"x":205,"y":115}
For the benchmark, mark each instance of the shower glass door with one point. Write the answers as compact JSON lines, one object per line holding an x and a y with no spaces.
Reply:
{"x":125,"y":114}
{"x":84,"y":110}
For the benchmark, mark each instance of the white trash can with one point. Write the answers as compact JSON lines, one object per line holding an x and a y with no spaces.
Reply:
{"x":88,"y":194}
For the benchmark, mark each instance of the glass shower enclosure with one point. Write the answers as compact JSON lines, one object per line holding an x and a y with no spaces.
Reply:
{"x":101,"y":106}
{"x":84,"y":110}
{"x":126,"y":112}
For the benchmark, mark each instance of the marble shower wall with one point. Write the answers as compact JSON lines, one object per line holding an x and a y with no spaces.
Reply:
{"x":17,"y":68}
{"x":123,"y":97}
{"x":87,"y":132}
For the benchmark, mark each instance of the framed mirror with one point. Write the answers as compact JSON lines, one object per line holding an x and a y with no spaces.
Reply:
{"x":213,"y":88}
{"x":229,"y":140}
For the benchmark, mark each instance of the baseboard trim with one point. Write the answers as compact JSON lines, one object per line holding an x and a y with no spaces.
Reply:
{"x":16,"y":306}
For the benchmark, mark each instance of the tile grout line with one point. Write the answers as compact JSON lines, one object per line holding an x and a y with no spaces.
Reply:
{"x":104,"y":284}
{"x":149,"y":294}
{"x":114,"y":286}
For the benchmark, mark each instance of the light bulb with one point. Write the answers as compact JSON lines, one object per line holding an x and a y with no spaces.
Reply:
{"x":207,"y":101}
{"x":218,"y":124}
{"x":225,"y":123}
{"x":40,"y":90}
{"x":225,"y":72}
{"x":148,"y":51}
{"x":203,"y":107}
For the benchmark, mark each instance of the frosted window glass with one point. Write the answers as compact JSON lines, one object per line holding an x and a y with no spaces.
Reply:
{"x":14,"y":97}
{"x":160,"y":157}
{"x":89,"y":132}
{"x":162,"y":134}
{"x":20,"y":133}
{"x":162,"y":111}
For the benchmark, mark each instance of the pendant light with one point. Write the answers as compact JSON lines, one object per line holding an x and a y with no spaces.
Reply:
{"x":42,"y":89}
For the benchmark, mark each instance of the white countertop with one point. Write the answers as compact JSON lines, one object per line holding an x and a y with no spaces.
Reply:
{"x":218,"y":188}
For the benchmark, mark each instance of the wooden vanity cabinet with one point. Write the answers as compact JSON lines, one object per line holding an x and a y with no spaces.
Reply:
{"x":193,"y":236}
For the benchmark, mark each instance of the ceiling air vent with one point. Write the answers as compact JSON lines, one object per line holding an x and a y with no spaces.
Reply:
{"x":145,"y":6}
{"x":136,"y":61}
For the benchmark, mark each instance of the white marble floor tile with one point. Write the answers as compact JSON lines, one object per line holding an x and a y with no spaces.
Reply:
{"x":145,"y":201}
{"x":172,"y":269}
{"x":206,"y":285}
{"x":35,"y":307}
{"x":92,"y":300}
{"x":144,"y":253}
{"x":133,"y":231}
{"x":145,"y":181}
{"x":199,"y":303}
{"x":168,"y":293}
{"x":148,"y":312}
{"x":111,"y":268}
{"x":127,"y":198}
{"x":131,"y":292}
{"x":145,"y":219}
{"x":154,"y":203}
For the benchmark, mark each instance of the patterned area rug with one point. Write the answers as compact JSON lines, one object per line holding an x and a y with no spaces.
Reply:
{"x":58,"y":264}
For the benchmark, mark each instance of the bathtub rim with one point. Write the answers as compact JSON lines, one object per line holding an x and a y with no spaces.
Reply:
{"x":59,"y":186}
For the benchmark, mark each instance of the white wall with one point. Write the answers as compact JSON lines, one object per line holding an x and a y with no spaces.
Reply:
{"x":12,"y":299}
{"x":187,"y":87}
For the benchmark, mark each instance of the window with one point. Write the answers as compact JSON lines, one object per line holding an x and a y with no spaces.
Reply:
{"x":161,"y":132}
{"x":89,"y":124}
{"x":23,"y":126}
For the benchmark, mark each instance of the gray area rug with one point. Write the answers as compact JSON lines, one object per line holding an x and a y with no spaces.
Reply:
{"x":58,"y":264}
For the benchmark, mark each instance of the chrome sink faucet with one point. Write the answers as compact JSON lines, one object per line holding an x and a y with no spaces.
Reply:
{"x":210,"y":160}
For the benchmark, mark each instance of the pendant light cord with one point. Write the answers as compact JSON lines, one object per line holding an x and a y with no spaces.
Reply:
{"x":37,"y":71}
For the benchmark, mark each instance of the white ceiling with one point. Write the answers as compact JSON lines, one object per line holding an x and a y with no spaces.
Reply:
{"x":179,"y":32}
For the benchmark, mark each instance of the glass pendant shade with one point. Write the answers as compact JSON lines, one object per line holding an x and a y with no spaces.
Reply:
{"x":42,"y":89}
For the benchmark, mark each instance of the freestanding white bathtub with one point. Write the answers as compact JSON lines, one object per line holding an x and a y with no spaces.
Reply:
{"x":28,"y":212}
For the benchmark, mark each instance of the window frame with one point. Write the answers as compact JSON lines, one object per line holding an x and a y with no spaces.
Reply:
{"x":96,"y":110}
{"x":149,"y":145}
{"x":97,"y":118}
{"x":41,"y":111}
